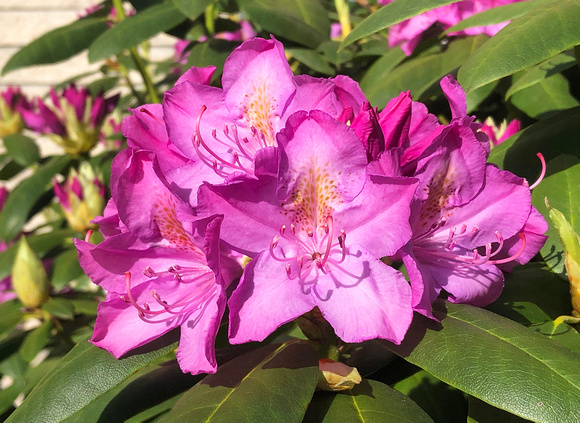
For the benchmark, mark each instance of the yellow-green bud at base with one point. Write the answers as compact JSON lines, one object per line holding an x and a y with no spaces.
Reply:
{"x":29,"y":278}
{"x":336,"y":376}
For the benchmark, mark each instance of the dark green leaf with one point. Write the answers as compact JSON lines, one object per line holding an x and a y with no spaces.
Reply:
{"x":272,"y":383}
{"x":560,"y":187}
{"x":87,"y":307}
{"x":135,"y":29}
{"x":480,"y":412}
{"x":497,"y":15}
{"x":312,"y":59}
{"x":191,"y":9}
{"x":527,"y":40}
{"x":22,"y":200}
{"x":422,"y":73}
{"x":441,"y":401}
{"x":8,"y":395}
{"x":545,"y":98}
{"x":391,"y":14}
{"x":475,"y":97}
{"x":10,"y":169}
{"x":377,"y":76}
{"x":551,"y":137}
{"x":59,"y":307}
{"x":369,"y":402}
{"x":35,"y":341}
{"x":58,"y":44}
{"x":65,"y":268}
{"x":539,"y":72}
{"x":305,"y":22}
{"x":82,"y":376}
{"x":211,"y":53}
{"x":499,"y":361}
{"x":41,"y":244}
{"x":11,"y":314}
{"x":22,"y":149}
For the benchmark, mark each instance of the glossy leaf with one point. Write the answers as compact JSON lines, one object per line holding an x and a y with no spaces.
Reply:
{"x":213,"y":52}
{"x":303,"y":22}
{"x":497,"y":15}
{"x":510,"y":367}
{"x":545,"y":98}
{"x":134,"y":30}
{"x":86,"y":373}
{"x":391,"y":14}
{"x":58,"y":44}
{"x":60,"y":307}
{"x":560,"y":187}
{"x":377,"y":75}
{"x":312,"y":59}
{"x":369,"y":402}
{"x":191,"y":9}
{"x":539,"y":72}
{"x":272,"y":383}
{"x":65,"y":268}
{"x":35,"y":341}
{"x":422,"y":73}
{"x":22,"y":149}
{"x":526,"y":41}
{"x":23,"y":198}
{"x":480,"y":412}
{"x":551,"y":137}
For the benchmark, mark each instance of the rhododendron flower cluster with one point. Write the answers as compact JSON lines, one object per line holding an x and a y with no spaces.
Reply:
{"x":325,"y":194}
{"x":409,"y":33}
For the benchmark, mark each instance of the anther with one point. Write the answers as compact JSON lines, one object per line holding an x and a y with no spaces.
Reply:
{"x":148,"y":272}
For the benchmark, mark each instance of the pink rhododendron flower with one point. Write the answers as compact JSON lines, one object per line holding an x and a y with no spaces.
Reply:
{"x":408,"y":34}
{"x":232,"y":129}
{"x":319,"y":232}
{"x":12,"y":102}
{"x":160,"y":267}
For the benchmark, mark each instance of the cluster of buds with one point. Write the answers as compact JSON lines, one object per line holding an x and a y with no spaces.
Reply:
{"x":74,"y":119}
{"x":82,"y":197}
{"x":12,"y":101}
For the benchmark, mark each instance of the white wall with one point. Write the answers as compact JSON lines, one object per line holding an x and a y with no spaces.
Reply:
{"x":22,"y":21}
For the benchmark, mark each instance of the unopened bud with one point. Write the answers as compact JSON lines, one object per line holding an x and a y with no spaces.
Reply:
{"x":571,"y":243}
{"x":29,"y":277}
{"x":336,"y":376}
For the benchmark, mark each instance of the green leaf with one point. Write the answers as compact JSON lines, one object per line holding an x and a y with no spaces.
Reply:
{"x":272,"y":383}
{"x":191,"y":9}
{"x":58,"y":44}
{"x":35,"y":341}
{"x":10,"y":169}
{"x":545,"y":98}
{"x":305,"y":22}
{"x":561,"y":189}
{"x":211,"y":53}
{"x":377,"y":76}
{"x":369,"y":402}
{"x":542,"y":70}
{"x":391,"y":14}
{"x":23,"y":198}
{"x":527,"y":40}
{"x":480,"y":412}
{"x":551,"y":137}
{"x":11,"y":315}
{"x":312,"y":59}
{"x":60,"y":307}
{"x":499,"y":361}
{"x":441,"y":401}
{"x":497,"y":15}
{"x":134,"y":30}
{"x":82,"y":376}
{"x":40,"y":244}
{"x":475,"y":97}
{"x":422,"y":73}
{"x":22,"y":149}
{"x":65,"y":268}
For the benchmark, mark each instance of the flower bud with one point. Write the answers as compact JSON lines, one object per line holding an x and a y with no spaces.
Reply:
{"x":82,"y":197}
{"x":29,"y":277}
{"x":336,"y":376}
{"x":11,"y":121}
{"x":571,"y":243}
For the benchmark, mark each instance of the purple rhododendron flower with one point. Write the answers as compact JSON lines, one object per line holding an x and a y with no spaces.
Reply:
{"x":408,"y":34}
{"x":498,"y":134}
{"x":319,"y":232}
{"x":159,"y":265}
